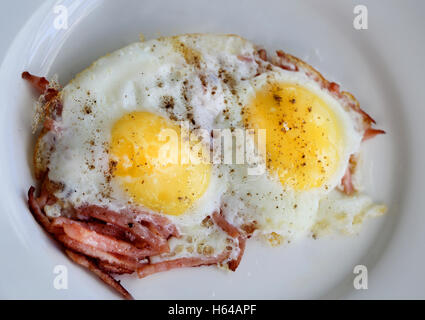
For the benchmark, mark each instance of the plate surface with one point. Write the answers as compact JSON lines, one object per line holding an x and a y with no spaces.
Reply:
{"x":381,"y":65}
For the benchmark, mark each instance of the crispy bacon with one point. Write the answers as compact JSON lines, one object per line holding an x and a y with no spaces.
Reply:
{"x":234,"y":264}
{"x":81,"y":232}
{"x":52,"y":104}
{"x":262,"y":53}
{"x":233,"y":232}
{"x":46,"y":193}
{"x":36,"y":211}
{"x":105,"y":247}
{"x":162,"y":266}
{"x":130,"y":224}
{"x":230,"y":229}
{"x":105,"y":241}
{"x":245,"y":58}
{"x":120,"y":261}
{"x":85,"y":251}
{"x":355,"y":105}
{"x":286,"y":61}
{"x":371,"y":133}
{"x":334,"y":87}
{"x":347,"y":183}
{"x":49,"y":95}
{"x":116,"y":232}
{"x":39,"y":83}
{"x":111,"y":230}
{"x":110,"y":268}
{"x":161,"y":224}
{"x":105,"y":277}
{"x":49,"y":125}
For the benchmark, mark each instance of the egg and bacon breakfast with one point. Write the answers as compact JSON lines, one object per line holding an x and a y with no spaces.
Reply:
{"x":173,"y":152}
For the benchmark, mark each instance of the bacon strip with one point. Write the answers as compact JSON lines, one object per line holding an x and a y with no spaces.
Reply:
{"x":287,"y":61}
{"x":36,"y":211}
{"x":149,"y":269}
{"x":262,"y":53}
{"x":111,"y":230}
{"x":233,"y":232}
{"x":105,"y":277}
{"x":113,"y":269}
{"x":115,"y":246}
{"x":128,"y":223}
{"x":116,"y":232}
{"x":371,"y":133}
{"x":76,"y":237}
{"x":52,"y":105}
{"x":347,"y":183}
{"x":161,"y":224}
{"x":354,"y":105}
{"x":120,"y":261}
{"x":82,"y":233}
{"x":245,"y":58}
{"x":39,"y":83}
{"x":226,"y":226}
{"x":234,"y":264}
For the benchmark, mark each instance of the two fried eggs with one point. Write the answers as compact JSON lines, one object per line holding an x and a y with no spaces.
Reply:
{"x":138,"y":129}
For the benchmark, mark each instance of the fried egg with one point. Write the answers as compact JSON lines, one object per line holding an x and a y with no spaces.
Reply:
{"x":309,"y":139}
{"x":137,"y":129}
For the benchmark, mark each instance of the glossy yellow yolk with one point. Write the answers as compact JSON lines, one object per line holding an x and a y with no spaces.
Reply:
{"x":303,"y":135}
{"x":146,"y":158}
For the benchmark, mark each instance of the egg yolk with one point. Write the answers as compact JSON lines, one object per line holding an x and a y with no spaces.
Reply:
{"x":146,"y":156}
{"x":303,"y":135}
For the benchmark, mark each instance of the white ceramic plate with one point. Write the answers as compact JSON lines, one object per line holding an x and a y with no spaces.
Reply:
{"x":382,"y":66}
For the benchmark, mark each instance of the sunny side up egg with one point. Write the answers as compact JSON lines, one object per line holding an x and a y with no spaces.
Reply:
{"x":309,"y":138}
{"x":121,"y":132}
